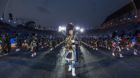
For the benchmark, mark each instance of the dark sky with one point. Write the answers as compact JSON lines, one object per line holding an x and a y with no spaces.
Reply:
{"x":52,"y":13}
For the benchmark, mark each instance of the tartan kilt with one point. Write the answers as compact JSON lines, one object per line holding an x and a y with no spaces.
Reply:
{"x":69,"y":55}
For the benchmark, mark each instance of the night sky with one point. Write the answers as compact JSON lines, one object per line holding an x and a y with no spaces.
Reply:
{"x":52,"y":13}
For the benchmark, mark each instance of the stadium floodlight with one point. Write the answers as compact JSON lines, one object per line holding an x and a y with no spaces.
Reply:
{"x":61,"y":28}
{"x":81,"y":30}
{"x":1,"y":18}
{"x":71,"y":23}
{"x":136,"y":16}
{"x":15,"y":22}
{"x":77,"y":28}
{"x":9,"y":20}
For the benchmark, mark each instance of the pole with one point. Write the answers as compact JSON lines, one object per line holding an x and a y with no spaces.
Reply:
{"x":134,"y":5}
{"x":6,"y":6}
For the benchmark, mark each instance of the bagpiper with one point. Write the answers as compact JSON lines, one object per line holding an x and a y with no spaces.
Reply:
{"x":34,"y":45}
{"x":70,"y":49}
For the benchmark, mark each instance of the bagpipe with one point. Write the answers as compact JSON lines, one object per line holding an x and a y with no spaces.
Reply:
{"x":73,"y":50}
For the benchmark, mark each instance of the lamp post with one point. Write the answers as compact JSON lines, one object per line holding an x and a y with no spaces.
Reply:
{"x":134,"y":5}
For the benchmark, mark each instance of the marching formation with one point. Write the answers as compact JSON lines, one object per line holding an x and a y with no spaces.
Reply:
{"x":32,"y":43}
{"x":117,"y":44}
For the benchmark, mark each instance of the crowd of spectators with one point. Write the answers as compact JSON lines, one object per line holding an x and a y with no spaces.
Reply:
{"x":20,"y":37}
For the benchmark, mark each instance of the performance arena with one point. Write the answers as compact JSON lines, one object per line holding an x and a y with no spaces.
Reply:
{"x":69,"y":38}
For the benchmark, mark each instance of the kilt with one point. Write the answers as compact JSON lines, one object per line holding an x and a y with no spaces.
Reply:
{"x":69,"y":55}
